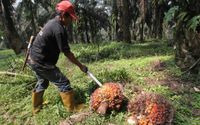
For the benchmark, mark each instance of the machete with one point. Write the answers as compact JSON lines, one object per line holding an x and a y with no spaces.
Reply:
{"x":94,"y":78}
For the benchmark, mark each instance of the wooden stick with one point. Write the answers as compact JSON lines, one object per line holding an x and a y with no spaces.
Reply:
{"x":27,"y":52}
{"x":15,"y":74}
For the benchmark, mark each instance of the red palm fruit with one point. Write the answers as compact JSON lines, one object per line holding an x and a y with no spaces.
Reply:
{"x":150,"y":109}
{"x":107,"y":97}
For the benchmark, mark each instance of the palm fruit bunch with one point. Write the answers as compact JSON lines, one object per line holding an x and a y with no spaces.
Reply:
{"x":150,"y":109}
{"x":107,"y":97}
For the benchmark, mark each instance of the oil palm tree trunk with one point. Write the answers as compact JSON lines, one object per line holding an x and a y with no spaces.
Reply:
{"x":11,"y":34}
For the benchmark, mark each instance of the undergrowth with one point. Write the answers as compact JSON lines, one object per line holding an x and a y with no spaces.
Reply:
{"x":127,"y":64}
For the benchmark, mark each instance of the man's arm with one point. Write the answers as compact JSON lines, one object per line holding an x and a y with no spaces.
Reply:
{"x":73,"y":59}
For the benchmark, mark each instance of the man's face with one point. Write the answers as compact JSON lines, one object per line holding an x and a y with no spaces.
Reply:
{"x":66,"y":20}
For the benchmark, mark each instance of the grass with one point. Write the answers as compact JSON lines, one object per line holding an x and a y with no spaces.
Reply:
{"x":129,"y":64}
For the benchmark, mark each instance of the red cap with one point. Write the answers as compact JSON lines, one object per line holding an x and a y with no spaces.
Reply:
{"x":66,"y":6}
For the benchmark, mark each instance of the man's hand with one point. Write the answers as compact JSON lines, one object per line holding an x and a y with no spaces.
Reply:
{"x":73,"y":59}
{"x":84,"y":68}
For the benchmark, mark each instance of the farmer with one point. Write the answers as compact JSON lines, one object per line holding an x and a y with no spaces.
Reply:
{"x":44,"y":53}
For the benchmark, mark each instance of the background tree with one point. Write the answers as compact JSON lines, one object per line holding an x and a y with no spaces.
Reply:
{"x":11,"y":34}
{"x":186,"y":16}
{"x":108,"y":20}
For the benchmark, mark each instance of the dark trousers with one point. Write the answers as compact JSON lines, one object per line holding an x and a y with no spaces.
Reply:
{"x":53,"y":75}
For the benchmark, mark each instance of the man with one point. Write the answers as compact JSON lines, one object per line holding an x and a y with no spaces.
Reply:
{"x":44,"y":53}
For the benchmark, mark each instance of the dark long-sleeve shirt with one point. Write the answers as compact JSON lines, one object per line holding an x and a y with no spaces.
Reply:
{"x":48,"y":44}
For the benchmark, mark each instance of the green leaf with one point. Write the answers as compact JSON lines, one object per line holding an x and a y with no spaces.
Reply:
{"x":182,"y":16}
{"x":169,"y":16}
{"x":194,"y":22}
